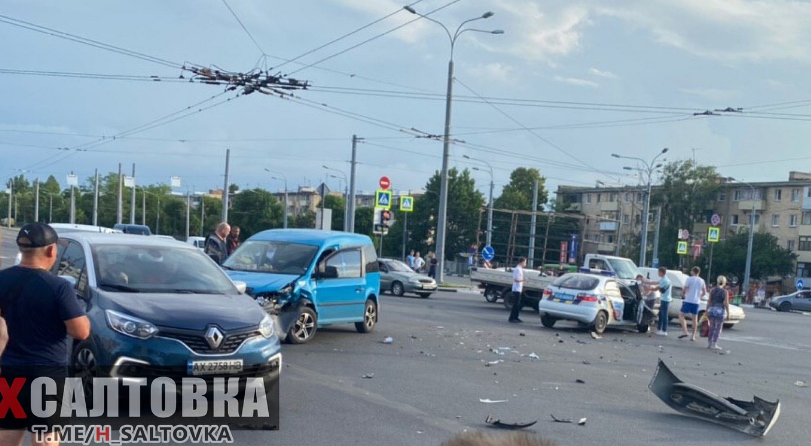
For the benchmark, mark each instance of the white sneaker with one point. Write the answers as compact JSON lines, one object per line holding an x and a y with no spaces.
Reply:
{"x":661,"y":333}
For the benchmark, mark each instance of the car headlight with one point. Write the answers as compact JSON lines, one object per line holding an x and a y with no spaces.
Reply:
{"x":130,"y":326}
{"x":266,"y":326}
{"x":414,"y":280}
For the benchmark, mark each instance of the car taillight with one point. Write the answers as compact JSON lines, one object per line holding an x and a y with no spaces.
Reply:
{"x":588,"y":297}
{"x":547,"y":293}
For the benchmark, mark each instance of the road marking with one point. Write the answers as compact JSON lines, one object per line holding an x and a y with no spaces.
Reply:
{"x":764,"y":342}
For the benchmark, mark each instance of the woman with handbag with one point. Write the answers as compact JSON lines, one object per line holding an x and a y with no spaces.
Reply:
{"x":717,"y":311}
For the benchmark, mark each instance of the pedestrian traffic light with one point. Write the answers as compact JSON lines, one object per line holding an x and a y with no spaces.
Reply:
{"x":385,"y":217}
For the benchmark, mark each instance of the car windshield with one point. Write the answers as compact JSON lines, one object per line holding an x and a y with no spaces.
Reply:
{"x":396,"y":265}
{"x":158,"y":269}
{"x":580,"y":282}
{"x":271,"y":256}
{"x":624,"y":268}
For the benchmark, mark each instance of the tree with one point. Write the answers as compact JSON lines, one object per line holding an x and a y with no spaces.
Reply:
{"x":336,"y":203}
{"x":517,"y":196}
{"x":768,"y":257}
{"x":364,"y":217}
{"x":464,"y":207}
{"x":255,"y":210}
{"x":685,"y":195}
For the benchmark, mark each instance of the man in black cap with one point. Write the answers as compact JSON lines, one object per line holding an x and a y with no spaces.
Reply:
{"x":40,"y":310}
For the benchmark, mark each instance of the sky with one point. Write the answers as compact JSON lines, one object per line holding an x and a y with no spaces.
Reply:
{"x":567,"y":84}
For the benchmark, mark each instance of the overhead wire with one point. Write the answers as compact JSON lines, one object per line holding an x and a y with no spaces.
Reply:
{"x":94,"y":76}
{"x":244,"y":28}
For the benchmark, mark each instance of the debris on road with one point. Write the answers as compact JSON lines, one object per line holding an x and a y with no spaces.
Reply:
{"x":561,"y":420}
{"x":499,"y":424}
{"x":488,"y":364}
{"x":369,"y":375}
{"x":522,"y":334}
{"x":754,"y":417}
{"x":801,"y":384}
{"x":594,"y":335}
{"x":582,"y":422}
{"x":580,"y":381}
{"x":533,"y":356}
{"x":586,"y":362}
{"x":489,"y":401}
{"x":388,"y":340}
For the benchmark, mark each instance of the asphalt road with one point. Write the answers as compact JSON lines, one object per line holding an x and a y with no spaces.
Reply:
{"x":427,"y":384}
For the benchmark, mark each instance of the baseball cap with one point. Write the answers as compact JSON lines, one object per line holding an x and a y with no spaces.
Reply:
{"x":36,"y":235}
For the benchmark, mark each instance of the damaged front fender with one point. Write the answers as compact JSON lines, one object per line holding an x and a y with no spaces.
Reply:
{"x":754,"y":417}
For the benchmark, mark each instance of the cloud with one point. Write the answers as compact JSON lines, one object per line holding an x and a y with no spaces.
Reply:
{"x":492,"y":72}
{"x":577,"y":82}
{"x":605,"y":74}
{"x":725,"y":30}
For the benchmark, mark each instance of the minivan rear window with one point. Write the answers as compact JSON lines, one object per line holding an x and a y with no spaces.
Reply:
{"x":577,"y":282}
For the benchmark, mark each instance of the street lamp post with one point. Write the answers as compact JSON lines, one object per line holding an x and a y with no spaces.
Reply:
{"x":489,"y":235}
{"x":650,"y":167}
{"x":346,"y":197}
{"x":443,"y":183}
{"x":285,"y":193}
{"x":748,"y":270}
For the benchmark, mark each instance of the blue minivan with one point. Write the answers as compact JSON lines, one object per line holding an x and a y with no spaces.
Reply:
{"x":308,"y":278}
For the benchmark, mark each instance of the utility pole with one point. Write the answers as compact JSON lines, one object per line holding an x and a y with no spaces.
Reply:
{"x":203,"y":216}
{"x":533,"y":221}
{"x":96,"y":199}
{"x":549,"y":218}
{"x":132,"y":198}
{"x":119,"y":206}
{"x":353,"y":165}
{"x":656,"y":237}
{"x":323,"y":201}
{"x":72,"y":202}
{"x":405,"y":233}
{"x":36,"y":201}
{"x":143,"y":207}
{"x":225,"y":191}
{"x":10,"y":195}
{"x":619,"y":224}
{"x":188,"y":213}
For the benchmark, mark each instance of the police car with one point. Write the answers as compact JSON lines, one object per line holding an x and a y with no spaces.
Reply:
{"x":595,"y":298}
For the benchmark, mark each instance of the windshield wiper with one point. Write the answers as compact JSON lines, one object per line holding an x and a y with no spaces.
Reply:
{"x":119,"y":287}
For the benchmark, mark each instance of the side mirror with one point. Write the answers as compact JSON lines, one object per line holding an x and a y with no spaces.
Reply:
{"x":72,"y":280}
{"x":241,"y":286}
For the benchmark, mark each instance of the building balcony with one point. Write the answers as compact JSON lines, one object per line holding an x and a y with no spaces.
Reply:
{"x":610,"y":206}
{"x":606,"y":247}
{"x":805,"y":230}
{"x":746,"y":205}
{"x":608,"y":226}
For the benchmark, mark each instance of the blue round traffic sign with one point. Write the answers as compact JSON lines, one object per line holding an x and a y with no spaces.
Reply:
{"x":488,"y":253}
{"x":800,"y":284}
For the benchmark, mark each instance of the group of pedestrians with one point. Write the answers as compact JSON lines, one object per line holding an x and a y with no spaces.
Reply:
{"x":418,"y":263}
{"x":222,"y":242}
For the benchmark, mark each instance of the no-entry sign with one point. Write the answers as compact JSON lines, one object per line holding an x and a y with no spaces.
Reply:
{"x":384,"y":182}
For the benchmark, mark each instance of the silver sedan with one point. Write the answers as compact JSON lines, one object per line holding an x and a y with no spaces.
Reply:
{"x":397,"y":277}
{"x":801,"y":300}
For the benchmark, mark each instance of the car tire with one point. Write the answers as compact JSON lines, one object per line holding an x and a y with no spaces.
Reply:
{"x":784,"y":306}
{"x":600,"y":322}
{"x":548,"y":321}
{"x":397,"y":289}
{"x":643,"y":328}
{"x":303,"y":330}
{"x":490,"y":293}
{"x":728,"y":326}
{"x":424,"y":295}
{"x":507,"y":298}
{"x":85,"y":359}
{"x":369,"y":317}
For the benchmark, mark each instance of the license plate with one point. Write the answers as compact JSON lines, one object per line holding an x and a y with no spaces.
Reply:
{"x":216,"y":367}
{"x":562,"y":296}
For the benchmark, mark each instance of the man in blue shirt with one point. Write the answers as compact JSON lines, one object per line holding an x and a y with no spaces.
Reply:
{"x":40,"y":310}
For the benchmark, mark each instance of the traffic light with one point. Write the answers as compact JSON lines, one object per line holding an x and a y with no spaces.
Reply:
{"x":385,"y":217}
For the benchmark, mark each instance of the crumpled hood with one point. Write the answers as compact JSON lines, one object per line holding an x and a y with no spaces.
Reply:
{"x":187,"y":311}
{"x":262,"y":282}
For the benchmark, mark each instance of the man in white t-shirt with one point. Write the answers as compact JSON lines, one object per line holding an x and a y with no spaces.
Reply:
{"x":694,"y":290}
{"x":518,"y":287}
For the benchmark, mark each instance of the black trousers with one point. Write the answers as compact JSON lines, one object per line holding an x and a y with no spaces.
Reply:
{"x":518,"y":305}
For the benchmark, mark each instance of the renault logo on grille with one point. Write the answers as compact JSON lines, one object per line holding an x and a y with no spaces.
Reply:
{"x":214,"y":337}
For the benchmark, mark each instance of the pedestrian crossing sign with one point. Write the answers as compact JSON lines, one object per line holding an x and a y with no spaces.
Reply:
{"x":682,"y":248}
{"x":406,"y":204}
{"x":383,"y":199}
{"x":714,"y":234}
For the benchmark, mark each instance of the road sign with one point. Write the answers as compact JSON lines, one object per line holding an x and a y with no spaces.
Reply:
{"x":714,"y":234}
{"x":800,"y":284}
{"x":564,"y":247}
{"x":684,"y":234}
{"x":384,"y":183}
{"x":406,"y":203}
{"x":379,"y":229}
{"x":488,"y":253}
{"x":383,"y":199}
{"x":681,"y":248}
{"x":715,"y":220}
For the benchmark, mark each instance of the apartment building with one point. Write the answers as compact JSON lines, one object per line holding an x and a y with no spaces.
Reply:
{"x":781,"y":208}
